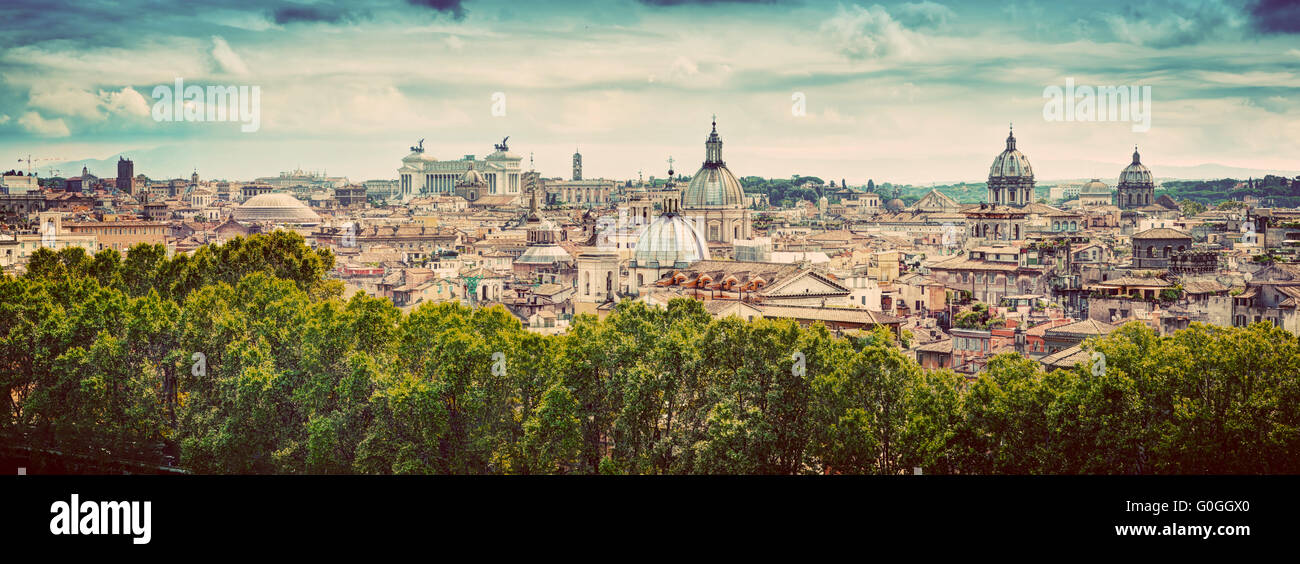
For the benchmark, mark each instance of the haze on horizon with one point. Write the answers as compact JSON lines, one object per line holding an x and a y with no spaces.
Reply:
{"x":907,"y":92}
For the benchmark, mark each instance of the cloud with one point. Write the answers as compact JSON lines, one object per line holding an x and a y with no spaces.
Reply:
{"x":861,"y":33}
{"x":455,"y":43}
{"x":315,"y":13}
{"x":1276,"y":16}
{"x":227,"y":60}
{"x":924,"y":14}
{"x":683,"y":68}
{"x":454,"y":8}
{"x":34,"y":123}
{"x":126,"y":101}
{"x":4,"y":118}
{"x":75,"y":102}
{"x":1175,"y":26}
{"x":65,"y":100}
{"x":704,"y":2}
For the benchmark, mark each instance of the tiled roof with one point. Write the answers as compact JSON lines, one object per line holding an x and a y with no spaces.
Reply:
{"x":1203,"y":287}
{"x":1161,"y":233}
{"x":1085,"y":327}
{"x":1067,"y":358}
{"x":842,"y":315}
{"x":1135,"y":281}
{"x":944,"y":346}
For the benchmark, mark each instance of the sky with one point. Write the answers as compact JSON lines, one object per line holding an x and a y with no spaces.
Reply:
{"x":904,"y":92}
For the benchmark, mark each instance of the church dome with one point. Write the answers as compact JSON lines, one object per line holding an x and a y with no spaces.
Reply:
{"x":670,"y":240}
{"x":1095,"y":186}
{"x":894,"y":205}
{"x":543,"y":248}
{"x":1136,"y":173}
{"x":472,"y":178}
{"x":1010,"y":163}
{"x":714,"y":186}
{"x":276,"y":207}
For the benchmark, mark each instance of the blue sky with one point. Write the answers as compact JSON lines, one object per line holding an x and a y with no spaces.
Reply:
{"x":895,"y":91}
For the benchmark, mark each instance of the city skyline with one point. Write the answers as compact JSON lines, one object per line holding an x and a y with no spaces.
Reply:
{"x":905,"y":92}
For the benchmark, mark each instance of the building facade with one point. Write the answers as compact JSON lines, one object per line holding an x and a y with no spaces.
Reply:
{"x":422,"y":174}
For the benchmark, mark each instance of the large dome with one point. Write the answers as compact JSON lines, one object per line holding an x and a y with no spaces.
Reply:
{"x":1010,"y":163}
{"x":1136,"y":174}
{"x":276,"y":207}
{"x":714,"y":186}
{"x":670,"y":240}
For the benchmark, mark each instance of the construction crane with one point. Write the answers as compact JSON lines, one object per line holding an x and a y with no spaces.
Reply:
{"x":29,"y":160}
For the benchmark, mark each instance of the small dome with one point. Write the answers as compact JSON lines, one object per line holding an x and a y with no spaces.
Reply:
{"x":670,"y":240}
{"x":276,"y":207}
{"x":471,"y":178}
{"x":1095,"y":186}
{"x":1136,"y":173}
{"x":894,"y":205}
{"x":1010,"y":163}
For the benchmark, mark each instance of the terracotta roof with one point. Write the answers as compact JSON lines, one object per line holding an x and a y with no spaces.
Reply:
{"x":1134,"y":281}
{"x":961,"y":263}
{"x":1161,"y":233}
{"x":842,"y":315}
{"x":776,"y":288}
{"x":1085,"y":327}
{"x":1203,"y":287}
{"x":1067,"y":358}
{"x":1041,"y":328}
{"x":944,"y":346}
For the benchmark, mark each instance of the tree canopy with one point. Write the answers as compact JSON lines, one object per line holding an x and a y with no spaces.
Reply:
{"x":243,"y":358}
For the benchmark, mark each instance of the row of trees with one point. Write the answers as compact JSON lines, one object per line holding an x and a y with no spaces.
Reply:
{"x":246,"y":360}
{"x":1285,"y":191}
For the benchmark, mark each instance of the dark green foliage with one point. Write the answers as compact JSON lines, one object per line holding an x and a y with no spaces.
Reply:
{"x":243,"y":359}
